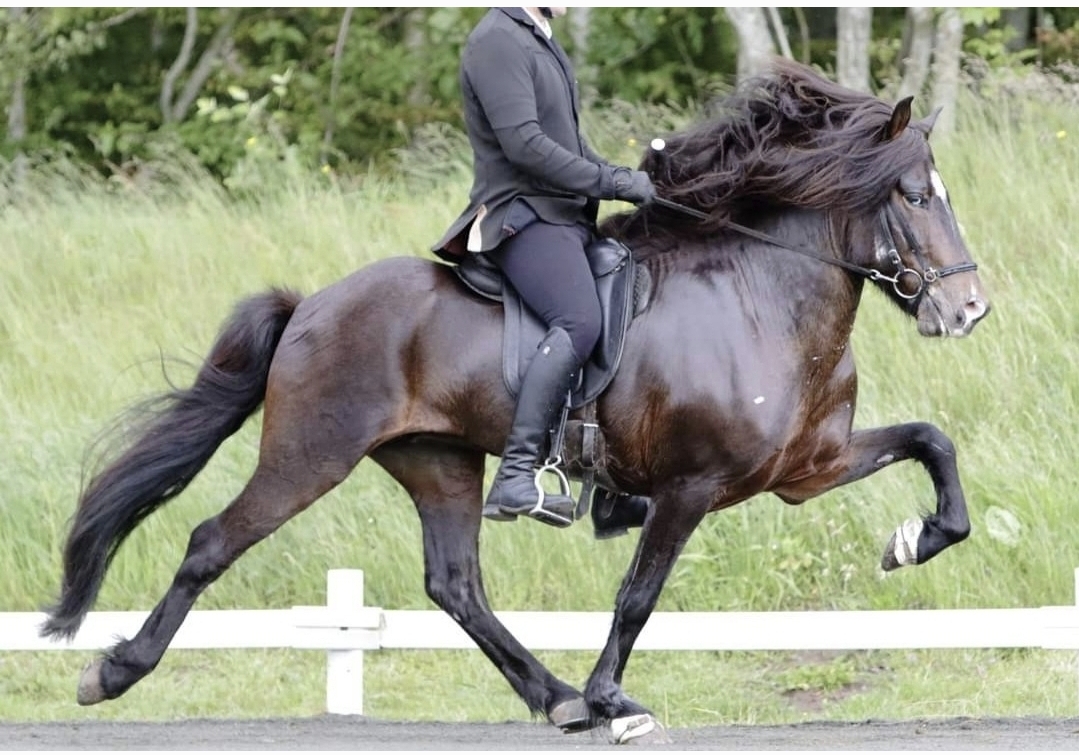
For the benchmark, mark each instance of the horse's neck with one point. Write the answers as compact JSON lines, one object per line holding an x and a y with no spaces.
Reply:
{"x":791,"y":290}
{"x":803,"y":299}
{"x":804,"y":247}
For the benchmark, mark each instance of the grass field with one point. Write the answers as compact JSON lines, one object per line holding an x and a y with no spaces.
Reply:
{"x":104,"y":291}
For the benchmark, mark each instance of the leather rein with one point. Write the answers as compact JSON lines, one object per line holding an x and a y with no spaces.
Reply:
{"x":903,"y":273}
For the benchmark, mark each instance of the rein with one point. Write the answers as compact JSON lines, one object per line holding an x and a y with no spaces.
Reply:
{"x":927,"y":276}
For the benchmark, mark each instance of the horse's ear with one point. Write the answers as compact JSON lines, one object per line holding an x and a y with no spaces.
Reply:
{"x":926,"y":124}
{"x":899,"y":120}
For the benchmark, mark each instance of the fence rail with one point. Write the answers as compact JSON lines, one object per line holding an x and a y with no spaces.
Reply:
{"x":346,"y":629}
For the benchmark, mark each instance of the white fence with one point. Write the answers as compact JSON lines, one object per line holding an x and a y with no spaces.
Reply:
{"x":346,"y":629}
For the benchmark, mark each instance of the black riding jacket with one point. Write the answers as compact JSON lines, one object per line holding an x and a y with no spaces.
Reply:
{"x":529,"y":158}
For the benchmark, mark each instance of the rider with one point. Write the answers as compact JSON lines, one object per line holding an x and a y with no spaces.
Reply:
{"x":533,"y":209}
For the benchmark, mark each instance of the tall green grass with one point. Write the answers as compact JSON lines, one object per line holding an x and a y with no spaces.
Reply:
{"x":107,"y":294}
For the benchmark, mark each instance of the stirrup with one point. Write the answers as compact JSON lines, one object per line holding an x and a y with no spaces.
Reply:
{"x":549,"y":516}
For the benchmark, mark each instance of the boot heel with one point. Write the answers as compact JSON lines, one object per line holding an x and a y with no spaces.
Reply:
{"x":495,"y":513}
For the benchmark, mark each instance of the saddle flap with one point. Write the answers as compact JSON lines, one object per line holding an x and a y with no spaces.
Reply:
{"x":620,"y":291}
{"x":614,"y":269}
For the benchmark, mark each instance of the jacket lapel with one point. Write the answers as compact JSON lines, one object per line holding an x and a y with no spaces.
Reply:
{"x":520,"y":16}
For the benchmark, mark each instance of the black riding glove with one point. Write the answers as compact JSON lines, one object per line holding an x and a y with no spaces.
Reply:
{"x":634,"y":186}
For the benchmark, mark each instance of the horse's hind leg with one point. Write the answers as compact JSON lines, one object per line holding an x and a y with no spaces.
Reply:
{"x":446,"y":484}
{"x":271,"y":497}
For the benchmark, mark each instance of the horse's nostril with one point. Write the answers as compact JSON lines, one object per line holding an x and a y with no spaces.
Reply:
{"x":974,"y":310}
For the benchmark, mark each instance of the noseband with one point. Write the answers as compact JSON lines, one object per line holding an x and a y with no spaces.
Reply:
{"x":928,"y":274}
{"x":923,"y":278}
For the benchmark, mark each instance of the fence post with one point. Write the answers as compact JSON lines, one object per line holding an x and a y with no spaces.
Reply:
{"x":344,"y":668}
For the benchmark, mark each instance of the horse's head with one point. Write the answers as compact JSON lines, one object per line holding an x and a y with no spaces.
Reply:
{"x":923,"y":263}
{"x":793,"y":139}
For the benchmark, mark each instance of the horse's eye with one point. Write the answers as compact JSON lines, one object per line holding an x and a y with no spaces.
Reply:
{"x":915,"y":200}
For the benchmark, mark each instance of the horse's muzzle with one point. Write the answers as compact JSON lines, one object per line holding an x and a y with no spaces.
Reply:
{"x":938,"y":316}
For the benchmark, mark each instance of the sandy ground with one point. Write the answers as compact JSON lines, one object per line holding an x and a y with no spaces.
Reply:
{"x":348,"y":733}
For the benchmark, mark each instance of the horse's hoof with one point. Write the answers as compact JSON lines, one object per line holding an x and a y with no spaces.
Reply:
{"x":903,"y":547}
{"x":888,"y":561}
{"x":571,"y":715}
{"x":90,"y":690}
{"x":642,"y":728}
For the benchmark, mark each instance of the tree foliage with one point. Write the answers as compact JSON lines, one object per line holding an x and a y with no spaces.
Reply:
{"x":340,"y":89}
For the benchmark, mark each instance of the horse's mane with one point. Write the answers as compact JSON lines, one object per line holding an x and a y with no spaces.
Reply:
{"x":787,"y":138}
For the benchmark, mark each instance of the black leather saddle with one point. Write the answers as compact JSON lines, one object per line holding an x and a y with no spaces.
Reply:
{"x":624,"y":289}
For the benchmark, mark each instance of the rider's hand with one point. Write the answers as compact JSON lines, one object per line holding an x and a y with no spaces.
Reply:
{"x":634,"y":186}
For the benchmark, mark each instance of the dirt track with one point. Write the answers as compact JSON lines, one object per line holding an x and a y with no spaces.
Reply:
{"x":341,"y":733}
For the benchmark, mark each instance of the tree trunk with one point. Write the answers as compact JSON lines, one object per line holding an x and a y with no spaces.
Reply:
{"x":16,"y":109}
{"x":1017,"y":19}
{"x":335,"y":78}
{"x":174,"y":110}
{"x":416,"y":44}
{"x":187,"y":45}
{"x":803,"y":33}
{"x":779,"y":31}
{"x":917,"y":52}
{"x":854,"y":27}
{"x":946,"y":53}
{"x":755,"y":47}
{"x":219,"y":47}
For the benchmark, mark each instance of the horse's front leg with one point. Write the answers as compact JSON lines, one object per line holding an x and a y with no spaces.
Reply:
{"x":916,"y":540}
{"x":667,"y":528}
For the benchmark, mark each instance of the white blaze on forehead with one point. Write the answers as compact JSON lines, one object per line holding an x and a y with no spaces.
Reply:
{"x":938,"y":185}
{"x":938,"y":188}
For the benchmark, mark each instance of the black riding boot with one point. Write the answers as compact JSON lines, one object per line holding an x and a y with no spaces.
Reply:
{"x":550,"y":376}
{"x":614,"y":513}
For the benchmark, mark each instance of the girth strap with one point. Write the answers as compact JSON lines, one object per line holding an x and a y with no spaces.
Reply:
{"x":588,"y":461}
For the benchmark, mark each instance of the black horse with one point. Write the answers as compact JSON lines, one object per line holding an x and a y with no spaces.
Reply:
{"x":737,"y":379}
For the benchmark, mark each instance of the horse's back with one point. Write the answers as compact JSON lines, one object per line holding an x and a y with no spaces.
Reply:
{"x":388,"y":302}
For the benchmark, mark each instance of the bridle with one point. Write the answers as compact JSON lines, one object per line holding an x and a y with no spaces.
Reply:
{"x":928,"y":274}
{"x":903,"y":274}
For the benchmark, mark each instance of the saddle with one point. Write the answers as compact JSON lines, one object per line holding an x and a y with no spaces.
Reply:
{"x":624,"y":290}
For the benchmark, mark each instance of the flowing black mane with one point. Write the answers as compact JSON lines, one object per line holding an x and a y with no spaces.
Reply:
{"x":788,"y":138}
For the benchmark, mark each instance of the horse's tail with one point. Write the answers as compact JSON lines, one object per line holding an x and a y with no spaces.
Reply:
{"x":177,"y":434}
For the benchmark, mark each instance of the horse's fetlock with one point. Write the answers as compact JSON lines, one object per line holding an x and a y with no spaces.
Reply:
{"x":951,"y":532}
{"x":960,"y":533}
{"x":116,"y":674}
